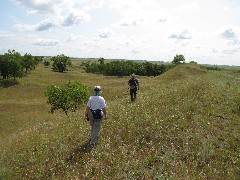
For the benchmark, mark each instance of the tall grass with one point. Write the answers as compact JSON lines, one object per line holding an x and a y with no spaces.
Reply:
{"x":184,"y":125}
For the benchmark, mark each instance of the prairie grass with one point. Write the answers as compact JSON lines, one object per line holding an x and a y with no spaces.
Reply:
{"x":184,"y":125}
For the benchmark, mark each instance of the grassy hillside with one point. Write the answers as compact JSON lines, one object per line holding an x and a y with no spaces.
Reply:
{"x":184,"y":125}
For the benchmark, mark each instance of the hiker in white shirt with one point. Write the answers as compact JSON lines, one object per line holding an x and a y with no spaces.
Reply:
{"x":94,"y":113}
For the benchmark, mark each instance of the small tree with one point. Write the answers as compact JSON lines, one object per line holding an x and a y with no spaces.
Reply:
{"x":16,"y":69}
{"x":178,"y":59}
{"x":4,"y":67}
{"x":67,"y":98}
{"x":46,"y":63}
{"x":193,"y":62}
{"x":28,"y":62}
{"x":10,"y":65}
{"x":101,"y":60}
{"x":37,"y":59}
{"x":60,"y":63}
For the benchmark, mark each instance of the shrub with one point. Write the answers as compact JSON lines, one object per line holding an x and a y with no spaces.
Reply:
{"x":46,"y":63}
{"x":60,"y":63}
{"x":178,"y":59}
{"x":67,"y":98}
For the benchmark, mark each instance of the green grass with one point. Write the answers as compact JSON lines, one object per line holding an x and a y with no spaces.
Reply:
{"x":184,"y":125}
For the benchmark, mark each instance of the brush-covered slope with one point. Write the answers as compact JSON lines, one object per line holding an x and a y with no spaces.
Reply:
{"x":184,"y":125}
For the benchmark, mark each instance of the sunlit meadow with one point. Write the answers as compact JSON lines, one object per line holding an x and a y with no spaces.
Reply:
{"x":184,"y":124}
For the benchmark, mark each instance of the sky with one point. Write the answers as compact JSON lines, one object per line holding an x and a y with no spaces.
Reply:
{"x":204,"y":31}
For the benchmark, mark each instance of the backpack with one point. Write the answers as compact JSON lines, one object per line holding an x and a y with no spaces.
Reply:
{"x":133,"y":83}
{"x":97,"y":114}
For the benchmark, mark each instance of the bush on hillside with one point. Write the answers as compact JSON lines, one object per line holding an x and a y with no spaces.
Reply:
{"x":67,"y":98}
{"x":178,"y":59}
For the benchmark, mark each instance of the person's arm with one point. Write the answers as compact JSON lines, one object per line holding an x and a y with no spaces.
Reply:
{"x":138,"y":84}
{"x":105,"y":112}
{"x":87,"y":110}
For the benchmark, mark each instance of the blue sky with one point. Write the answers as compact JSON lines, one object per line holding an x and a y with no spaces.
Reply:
{"x":205,"y":31}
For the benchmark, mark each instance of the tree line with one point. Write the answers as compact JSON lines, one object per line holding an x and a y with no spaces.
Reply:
{"x":116,"y":67}
{"x":122,"y":68}
{"x":125,"y":68}
{"x":13,"y":64}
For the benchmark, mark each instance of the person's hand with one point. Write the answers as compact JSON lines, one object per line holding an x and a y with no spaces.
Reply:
{"x":86,"y":118}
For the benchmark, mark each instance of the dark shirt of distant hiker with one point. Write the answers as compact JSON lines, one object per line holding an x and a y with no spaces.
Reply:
{"x":133,"y":86}
{"x":94,"y":113}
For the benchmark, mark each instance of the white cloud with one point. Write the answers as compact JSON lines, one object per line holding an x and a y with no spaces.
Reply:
{"x":36,"y":6}
{"x":226,"y":9}
{"x":65,"y":11}
{"x":214,"y":51}
{"x":184,"y":34}
{"x":233,"y":42}
{"x":44,"y":25}
{"x":41,"y":26}
{"x":47,"y":24}
{"x":231,"y":50}
{"x":139,"y":50}
{"x":46,"y":42}
{"x":5,"y":35}
{"x":136,"y":51}
{"x":130,"y":22}
{"x":24,"y":27}
{"x":75,"y":17}
{"x":162,"y":19}
{"x":229,"y":34}
{"x":105,"y":33}
{"x":76,"y":38}
{"x":188,"y":7}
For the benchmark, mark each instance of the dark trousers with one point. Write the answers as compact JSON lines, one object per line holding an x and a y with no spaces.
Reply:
{"x":133,"y":94}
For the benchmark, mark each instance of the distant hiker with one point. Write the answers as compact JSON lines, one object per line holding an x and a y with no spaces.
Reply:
{"x":133,"y":86}
{"x":94,"y":112}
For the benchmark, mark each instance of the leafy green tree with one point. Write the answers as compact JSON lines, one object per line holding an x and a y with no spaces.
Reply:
{"x":178,"y":59}
{"x":67,"y":98}
{"x":16,"y":69}
{"x":46,"y":63}
{"x":60,"y":63}
{"x":193,"y":62}
{"x":101,"y":60}
{"x":38,"y":59}
{"x":10,"y":65}
{"x":4,"y":67}
{"x":28,"y":62}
